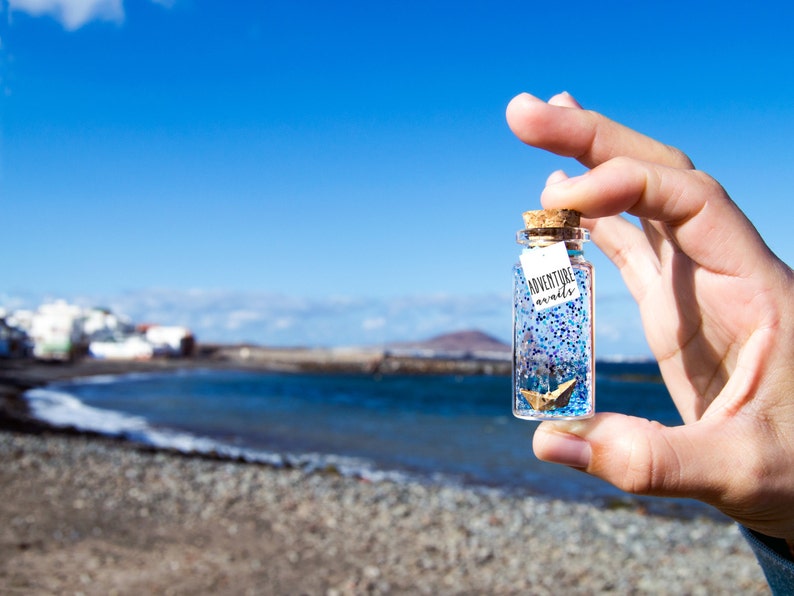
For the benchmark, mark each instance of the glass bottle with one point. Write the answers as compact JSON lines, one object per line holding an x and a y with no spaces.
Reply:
{"x":553,"y":320}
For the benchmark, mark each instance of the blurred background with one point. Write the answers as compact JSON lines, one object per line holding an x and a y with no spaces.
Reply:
{"x":315,"y":173}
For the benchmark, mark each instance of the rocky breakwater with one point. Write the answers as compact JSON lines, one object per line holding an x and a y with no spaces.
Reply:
{"x":462,"y":353}
{"x":369,"y":361}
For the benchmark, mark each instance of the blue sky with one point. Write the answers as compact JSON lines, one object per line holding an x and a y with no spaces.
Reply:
{"x":341,"y":173}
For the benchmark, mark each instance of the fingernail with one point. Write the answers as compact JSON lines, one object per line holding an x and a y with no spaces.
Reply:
{"x":571,"y":99}
{"x":557,"y":191}
{"x":561,"y":448}
{"x":528,"y":97}
{"x":556,"y":177}
{"x":573,"y":180}
{"x":564,"y":100}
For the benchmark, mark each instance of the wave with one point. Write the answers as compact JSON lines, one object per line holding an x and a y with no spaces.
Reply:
{"x":63,"y":410}
{"x":108,"y":379}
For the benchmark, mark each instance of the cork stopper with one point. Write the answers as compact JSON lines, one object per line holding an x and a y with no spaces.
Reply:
{"x":551,"y":218}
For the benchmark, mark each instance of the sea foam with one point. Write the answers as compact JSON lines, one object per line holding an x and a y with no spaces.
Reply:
{"x":61,"y":409}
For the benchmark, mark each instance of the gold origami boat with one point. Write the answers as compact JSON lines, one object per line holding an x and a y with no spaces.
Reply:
{"x":558,"y":398}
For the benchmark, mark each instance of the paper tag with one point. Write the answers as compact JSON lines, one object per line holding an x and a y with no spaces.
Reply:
{"x":549,"y":275}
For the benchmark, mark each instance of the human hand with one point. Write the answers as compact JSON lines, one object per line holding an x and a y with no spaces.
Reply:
{"x":718,"y":311}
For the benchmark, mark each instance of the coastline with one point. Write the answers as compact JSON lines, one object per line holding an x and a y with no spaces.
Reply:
{"x":87,"y":513}
{"x":20,"y":375}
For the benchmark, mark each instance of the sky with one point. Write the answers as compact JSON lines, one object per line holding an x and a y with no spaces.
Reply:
{"x":340,"y":173}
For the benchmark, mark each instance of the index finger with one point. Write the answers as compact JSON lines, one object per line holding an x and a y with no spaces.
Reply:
{"x":686,"y":206}
{"x":585,"y":135}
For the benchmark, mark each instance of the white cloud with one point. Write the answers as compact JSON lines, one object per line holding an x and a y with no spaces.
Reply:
{"x":276,"y":319}
{"x":238,"y":318}
{"x":73,"y":14}
{"x":283,"y":323}
{"x":373,"y":323}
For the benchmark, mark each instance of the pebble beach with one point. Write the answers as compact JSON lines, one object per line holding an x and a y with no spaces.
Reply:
{"x":84,"y":514}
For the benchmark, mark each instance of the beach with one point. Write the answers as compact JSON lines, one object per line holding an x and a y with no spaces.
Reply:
{"x":93,"y":515}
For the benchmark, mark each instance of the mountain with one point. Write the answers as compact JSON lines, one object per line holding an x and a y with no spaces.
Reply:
{"x":459,"y":341}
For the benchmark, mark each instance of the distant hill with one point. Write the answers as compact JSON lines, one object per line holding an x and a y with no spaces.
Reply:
{"x":460,"y":341}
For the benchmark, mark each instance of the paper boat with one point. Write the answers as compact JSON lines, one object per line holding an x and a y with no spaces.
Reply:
{"x":558,"y":398}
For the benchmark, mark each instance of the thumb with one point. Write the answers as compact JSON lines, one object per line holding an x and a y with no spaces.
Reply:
{"x":637,"y":455}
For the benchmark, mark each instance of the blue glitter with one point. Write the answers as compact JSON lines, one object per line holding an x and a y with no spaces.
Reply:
{"x":553,"y":346}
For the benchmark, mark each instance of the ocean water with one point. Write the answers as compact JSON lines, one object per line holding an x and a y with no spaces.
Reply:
{"x":443,"y":429}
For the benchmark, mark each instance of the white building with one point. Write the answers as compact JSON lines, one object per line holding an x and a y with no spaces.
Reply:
{"x":57,"y":331}
{"x":170,"y":340}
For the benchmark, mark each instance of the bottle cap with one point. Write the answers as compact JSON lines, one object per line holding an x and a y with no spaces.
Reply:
{"x":551,"y":218}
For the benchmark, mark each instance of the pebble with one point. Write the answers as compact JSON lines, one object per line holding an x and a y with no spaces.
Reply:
{"x":198,"y":525}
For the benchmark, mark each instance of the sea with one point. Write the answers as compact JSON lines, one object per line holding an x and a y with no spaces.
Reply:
{"x":442,"y":429}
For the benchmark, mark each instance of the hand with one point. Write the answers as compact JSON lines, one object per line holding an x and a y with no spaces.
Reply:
{"x":718,"y":311}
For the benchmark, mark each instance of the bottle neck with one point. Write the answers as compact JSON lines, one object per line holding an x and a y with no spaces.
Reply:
{"x":574,"y":238}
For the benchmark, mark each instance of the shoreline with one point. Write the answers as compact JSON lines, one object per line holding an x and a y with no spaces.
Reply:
{"x":17,"y":377}
{"x":20,"y":375}
{"x":83,"y":512}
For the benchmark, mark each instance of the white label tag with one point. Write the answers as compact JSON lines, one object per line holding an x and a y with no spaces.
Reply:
{"x":549,"y":275}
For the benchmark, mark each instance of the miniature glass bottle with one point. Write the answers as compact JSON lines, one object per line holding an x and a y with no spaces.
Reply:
{"x":553,"y":320}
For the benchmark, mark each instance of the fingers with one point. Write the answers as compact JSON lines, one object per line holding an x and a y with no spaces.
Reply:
{"x":644,"y":189}
{"x":623,"y":243}
{"x":564,"y":99}
{"x":685,"y":206}
{"x":562,"y":127}
{"x":627,"y":247}
{"x":640,"y":456}
{"x":555,"y":177}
